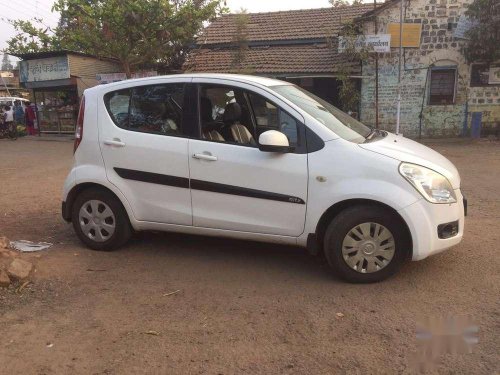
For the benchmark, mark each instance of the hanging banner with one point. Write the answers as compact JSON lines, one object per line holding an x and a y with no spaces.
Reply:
{"x":411,"y":34}
{"x":103,"y":79}
{"x":48,"y":69}
{"x":378,"y":43}
{"x":116,"y":77}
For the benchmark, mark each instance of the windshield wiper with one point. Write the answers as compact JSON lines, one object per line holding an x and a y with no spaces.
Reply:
{"x":372,"y":133}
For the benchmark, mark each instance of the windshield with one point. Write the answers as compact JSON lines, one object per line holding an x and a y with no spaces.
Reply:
{"x":333,"y":118}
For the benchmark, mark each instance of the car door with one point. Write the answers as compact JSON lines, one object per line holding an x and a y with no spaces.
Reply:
{"x":234,"y":185}
{"x":145,"y":150}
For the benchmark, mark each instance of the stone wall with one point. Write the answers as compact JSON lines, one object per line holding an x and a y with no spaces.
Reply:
{"x":438,"y":47}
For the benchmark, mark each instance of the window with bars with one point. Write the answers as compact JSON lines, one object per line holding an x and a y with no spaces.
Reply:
{"x":442,"y":86}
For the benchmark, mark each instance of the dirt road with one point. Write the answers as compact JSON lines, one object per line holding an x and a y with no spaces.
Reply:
{"x":240,"y":307}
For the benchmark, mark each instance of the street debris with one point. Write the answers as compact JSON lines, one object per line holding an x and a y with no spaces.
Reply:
{"x":4,"y":279}
{"x":4,"y":242}
{"x":152,"y":333}
{"x":28,"y":246}
{"x":339,"y":315}
{"x":23,"y":285}
{"x":171,"y":293}
{"x":19,"y":269}
{"x":50,"y":345}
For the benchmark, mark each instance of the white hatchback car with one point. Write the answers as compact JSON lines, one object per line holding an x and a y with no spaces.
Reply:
{"x":256,"y":159}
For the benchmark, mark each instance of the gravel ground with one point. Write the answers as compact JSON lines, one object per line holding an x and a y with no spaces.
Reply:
{"x":241,"y":307}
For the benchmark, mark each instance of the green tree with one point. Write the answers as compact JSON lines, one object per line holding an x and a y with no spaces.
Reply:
{"x":240,"y":41}
{"x":6,"y":64}
{"x":137,"y":33}
{"x":484,"y":36}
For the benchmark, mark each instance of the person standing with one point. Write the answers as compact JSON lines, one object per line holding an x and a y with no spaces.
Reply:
{"x":30,"y":117}
{"x":18,"y":113}
{"x":8,"y":119}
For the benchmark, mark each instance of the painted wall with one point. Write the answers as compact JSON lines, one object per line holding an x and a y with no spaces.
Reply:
{"x":438,"y":47}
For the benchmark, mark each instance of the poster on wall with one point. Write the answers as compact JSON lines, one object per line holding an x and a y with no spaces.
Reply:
{"x":411,"y":34}
{"x":379,"y":43}
{"x":47,"y":69}
{"x":494,"y":77}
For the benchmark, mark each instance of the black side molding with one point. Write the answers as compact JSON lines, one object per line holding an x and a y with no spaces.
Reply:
{"x":242,"y":191}
{"x":184,"y":182}
{"x":153,"y":178}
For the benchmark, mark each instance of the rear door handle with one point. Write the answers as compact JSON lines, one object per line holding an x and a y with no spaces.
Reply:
{"x":205,"y":157}
{"x":114,"y":142}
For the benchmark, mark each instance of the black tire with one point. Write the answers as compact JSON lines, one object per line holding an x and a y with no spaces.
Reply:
{"x":123,"y":229}
{"x":346,"y":220}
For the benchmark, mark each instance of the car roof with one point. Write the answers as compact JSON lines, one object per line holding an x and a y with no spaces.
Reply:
{"x":242,"y":78}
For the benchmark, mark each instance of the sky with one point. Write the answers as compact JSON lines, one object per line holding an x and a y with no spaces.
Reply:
{"x":27,"y":9}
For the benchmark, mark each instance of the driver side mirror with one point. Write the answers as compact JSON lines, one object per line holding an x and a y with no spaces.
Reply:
{"x":274,"y":141}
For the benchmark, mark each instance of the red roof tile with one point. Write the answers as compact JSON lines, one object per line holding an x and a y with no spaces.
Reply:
{"x":285,"y":25}
{"x":269,"y":60}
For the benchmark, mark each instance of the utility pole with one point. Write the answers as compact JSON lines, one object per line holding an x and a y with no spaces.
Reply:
{"x":398,"y":114}
{"x":6,"y":88}
{"x":376,"y":69}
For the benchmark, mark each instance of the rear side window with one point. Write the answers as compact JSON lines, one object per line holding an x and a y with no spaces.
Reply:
{"x":155,"y":109}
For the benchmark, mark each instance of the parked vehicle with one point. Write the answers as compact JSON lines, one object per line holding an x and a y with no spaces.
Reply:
{"x":10,"y":101}
{"x":257,"y":159}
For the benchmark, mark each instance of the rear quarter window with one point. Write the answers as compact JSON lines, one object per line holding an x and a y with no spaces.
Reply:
{"x":118,"y":104}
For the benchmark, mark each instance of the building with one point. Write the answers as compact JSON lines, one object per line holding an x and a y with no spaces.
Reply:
{"x":443,"y":95}
{"x":441,"y":91}
{"x":291,"y":45}
{"x":57,"y":80}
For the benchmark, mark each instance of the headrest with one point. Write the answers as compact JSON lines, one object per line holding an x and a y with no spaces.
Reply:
{"x":206,"y":109}
{"x":232,"y":113}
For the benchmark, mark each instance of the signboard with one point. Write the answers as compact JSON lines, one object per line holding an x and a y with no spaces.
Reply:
{"x":102,"y":79}
{"x":411,"y":34}
{"x":464,"y":24}
{"x":116,"y":77}
{"x":494,"y":77}
{"x":379,"y":43}
{"x":47,"y":69}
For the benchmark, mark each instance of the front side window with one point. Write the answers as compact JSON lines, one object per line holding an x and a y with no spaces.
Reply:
{"x":153,"y":109}
{"x":225,"y":115}
{"x":442,"y":86}
{"x":270,"y":117}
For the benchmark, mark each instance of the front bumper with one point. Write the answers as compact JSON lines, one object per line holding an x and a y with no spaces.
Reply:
{"x":423,"y":219}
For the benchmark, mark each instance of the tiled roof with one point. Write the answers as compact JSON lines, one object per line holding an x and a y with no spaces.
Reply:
{"x":285,"y":25}
{"x":273,"y":60}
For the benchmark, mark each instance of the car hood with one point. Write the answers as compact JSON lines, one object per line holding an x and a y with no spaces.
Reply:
{"x":406,"y":150}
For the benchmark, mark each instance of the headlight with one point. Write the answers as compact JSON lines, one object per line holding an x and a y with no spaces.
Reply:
{"x":433,"y":186}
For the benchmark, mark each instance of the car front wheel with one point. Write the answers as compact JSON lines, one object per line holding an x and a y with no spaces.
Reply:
{"x":100,"y":221}
{"x":365,"y":244}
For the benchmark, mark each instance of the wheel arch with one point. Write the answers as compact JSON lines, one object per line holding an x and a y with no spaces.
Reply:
{"x":78,"y":189}
{"x":338,"y":207}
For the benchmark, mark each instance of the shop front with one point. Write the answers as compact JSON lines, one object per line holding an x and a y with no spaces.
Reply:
{"x":57,"y":109}
{"x":57,"y":81}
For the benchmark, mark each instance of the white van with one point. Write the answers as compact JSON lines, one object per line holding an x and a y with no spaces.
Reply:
{"x":10,"y":101}
{"x":257,"y":159}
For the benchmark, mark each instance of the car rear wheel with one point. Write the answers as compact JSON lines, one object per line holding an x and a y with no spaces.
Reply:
{"x":365,"y":244}
{"x":100,"y":221}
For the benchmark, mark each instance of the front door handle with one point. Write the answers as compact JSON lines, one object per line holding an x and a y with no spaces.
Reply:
{"x":114,"y":142}
{"x":205,"y":157}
